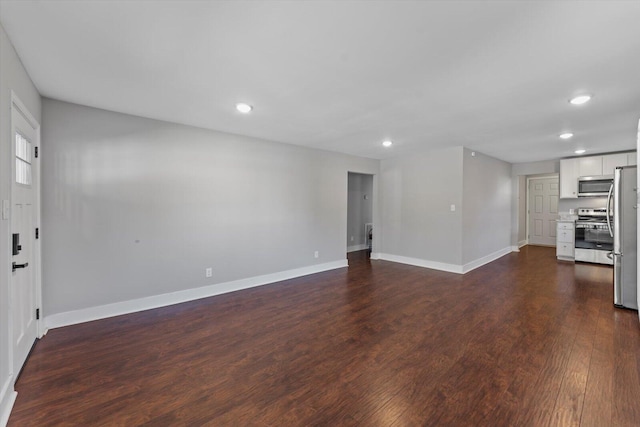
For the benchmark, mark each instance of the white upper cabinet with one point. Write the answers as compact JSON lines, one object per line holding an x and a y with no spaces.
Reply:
{"x":572,"y":169}
{"x":569,"y":178}
{"x":590,"y":166}
{"x":611,"y":161}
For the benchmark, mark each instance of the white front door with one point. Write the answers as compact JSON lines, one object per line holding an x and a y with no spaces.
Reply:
{"x":23,"y":291}
{"x":543,"y":210}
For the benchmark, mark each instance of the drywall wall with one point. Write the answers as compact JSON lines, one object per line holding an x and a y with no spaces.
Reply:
{"x":416,"y":194}
{"x":359,"y":209}
{"x":581,"y":202}
{"x":13,"y":77}
{"x":136,"y":207}
{"x":536,"y":168}
{"x":486,"y":209}
{"x":445,"y":209}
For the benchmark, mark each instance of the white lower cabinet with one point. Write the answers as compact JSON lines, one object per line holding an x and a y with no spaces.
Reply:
{"x":565,"y":240}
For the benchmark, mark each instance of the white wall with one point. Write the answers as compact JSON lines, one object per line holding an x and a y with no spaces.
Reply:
{"x":135,"y":207}
{"x":418,"y":225}
{"x":416,"y":192}
{"x":536,"y":168}
{"x":13,"y":77}
{"x":486,"y":214}
{"x":582,"y":202}
{"x":359,"y":209}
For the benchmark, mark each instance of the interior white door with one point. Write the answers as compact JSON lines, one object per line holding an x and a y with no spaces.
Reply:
{"x":543,"y":210}
{"x":23,"y":292}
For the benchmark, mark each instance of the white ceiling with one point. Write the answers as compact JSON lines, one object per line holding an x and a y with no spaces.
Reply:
{"x":494,"y":76}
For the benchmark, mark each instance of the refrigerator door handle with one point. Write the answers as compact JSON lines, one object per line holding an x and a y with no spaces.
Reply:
{"x":609,"y":210}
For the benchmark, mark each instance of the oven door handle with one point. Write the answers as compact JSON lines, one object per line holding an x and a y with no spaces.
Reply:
{"x":608,"y":210}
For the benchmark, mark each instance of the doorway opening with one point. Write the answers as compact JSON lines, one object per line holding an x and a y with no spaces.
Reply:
{"x":360,"y":232}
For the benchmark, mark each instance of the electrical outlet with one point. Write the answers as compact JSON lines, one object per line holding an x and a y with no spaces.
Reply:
{"x":453,"y":208}
{"x":316,"y":254}
{"x":208,"y":272}
{"x":352,"y":238}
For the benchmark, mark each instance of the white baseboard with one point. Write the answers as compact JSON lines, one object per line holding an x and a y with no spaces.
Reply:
{"x":485,"y":259}
{"x":7,"y":399}
{"x":374,"y":255}
{"x":451,"y":268}
{"x":354,"y":248}
{"x":125,"y":307}
{"x":516,"y":248}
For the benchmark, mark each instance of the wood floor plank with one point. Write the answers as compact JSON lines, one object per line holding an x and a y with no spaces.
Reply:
{"x":626,"y":378}
{"x":569,"y":404}
{"x":597,"y":409}
{"x":524,"y":340}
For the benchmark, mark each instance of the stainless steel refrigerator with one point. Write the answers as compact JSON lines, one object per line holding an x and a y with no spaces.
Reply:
{"x":624,"y":231}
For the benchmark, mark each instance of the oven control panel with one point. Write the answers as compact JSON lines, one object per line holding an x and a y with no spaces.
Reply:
{"x":593,"y":212}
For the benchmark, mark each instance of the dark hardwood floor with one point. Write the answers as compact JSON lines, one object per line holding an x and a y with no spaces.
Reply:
{"x":523,"y":341}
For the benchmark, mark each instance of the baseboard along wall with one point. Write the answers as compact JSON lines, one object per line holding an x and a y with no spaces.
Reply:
{"x":58,"y":320}
{"x":73,"y":317}
{"x":451,"y":268}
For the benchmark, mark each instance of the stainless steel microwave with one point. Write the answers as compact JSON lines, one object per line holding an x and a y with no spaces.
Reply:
{"x":594,"y":186}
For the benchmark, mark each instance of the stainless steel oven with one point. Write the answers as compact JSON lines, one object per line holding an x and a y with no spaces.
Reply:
{"x":593,"y":242}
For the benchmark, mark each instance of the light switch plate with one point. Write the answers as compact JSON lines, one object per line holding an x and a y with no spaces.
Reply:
{"x":6,"y":209}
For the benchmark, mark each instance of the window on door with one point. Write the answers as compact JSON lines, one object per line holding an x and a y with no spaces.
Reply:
{"x":23,"y":160}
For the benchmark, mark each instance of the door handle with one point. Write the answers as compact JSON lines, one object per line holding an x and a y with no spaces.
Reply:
{"x":15,"y":266}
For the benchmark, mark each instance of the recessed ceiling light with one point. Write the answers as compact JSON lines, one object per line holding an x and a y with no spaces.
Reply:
{"x":580,"y":151}
{"x":566,"y":135}
{"x":244,"y":108}
{"x":387,"y":143}
{"x":579,"y":100}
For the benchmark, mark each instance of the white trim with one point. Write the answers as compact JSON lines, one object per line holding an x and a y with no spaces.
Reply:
{"x":527,"y":207}
{"x":37,"y":246}
{"x":485,"y":259}
{"x":125,"y":307}
{"x":451,"y":268}
{"x":354,"y":248}
{"x":17,"y":106}
{"x":24,"y":111}
{"x":374,"y":255}
{"x":7,"y":399}
{"x":544,"y":175}
{"x":520,"y":244}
